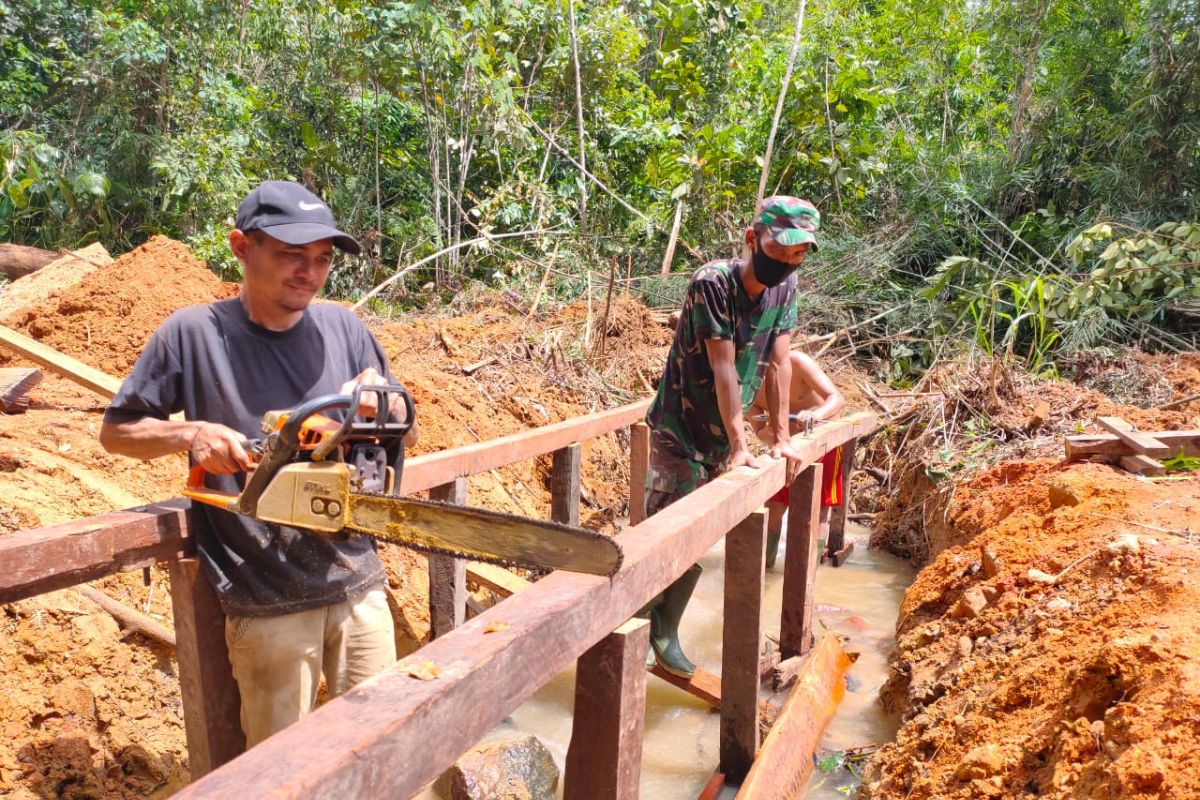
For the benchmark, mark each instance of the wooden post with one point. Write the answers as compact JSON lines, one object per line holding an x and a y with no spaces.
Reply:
{"x":639,"y":465}
{"x":836,"y":548}
{"x":564,"y":484}
{"x":800,"y":563}
{"x":211,"y":703}
{"x":605,"y":755}
{"x":745,"y":565}
{"x":447,"y":575}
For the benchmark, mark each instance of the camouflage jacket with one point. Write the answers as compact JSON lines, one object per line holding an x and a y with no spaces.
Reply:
{"x":685,"y":412}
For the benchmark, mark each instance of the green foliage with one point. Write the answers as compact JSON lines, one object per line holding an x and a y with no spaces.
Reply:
{"x":957,"y":149}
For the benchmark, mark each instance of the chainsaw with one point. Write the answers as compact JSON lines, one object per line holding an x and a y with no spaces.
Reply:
{"x":335,"y":477}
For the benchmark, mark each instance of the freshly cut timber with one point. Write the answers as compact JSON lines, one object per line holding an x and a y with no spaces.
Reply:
{"x":14,"y":383}
{"x":339,"y":477}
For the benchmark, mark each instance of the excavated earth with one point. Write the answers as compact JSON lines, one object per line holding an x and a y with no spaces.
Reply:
{"x":1051,"y":647}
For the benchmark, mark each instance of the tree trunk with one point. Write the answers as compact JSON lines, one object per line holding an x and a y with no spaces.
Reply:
{"x":17,"y":261}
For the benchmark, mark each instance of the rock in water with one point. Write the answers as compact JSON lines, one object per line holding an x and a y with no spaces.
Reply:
{"x":520,"y":768}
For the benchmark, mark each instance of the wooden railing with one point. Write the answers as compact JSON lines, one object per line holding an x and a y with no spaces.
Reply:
{"x":391,"y":735}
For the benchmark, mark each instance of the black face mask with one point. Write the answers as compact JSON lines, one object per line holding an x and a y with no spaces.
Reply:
{"x":770,"y":272}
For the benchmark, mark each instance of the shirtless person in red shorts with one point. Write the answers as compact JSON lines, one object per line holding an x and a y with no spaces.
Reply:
{"x":813,"y":396}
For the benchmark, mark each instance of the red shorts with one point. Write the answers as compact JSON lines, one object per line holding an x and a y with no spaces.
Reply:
{"x":832,"y":481}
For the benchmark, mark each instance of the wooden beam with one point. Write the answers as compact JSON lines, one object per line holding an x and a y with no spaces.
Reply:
{"x":496,"y":578}
{"x":447,"y":575}
{"x":435,"y":469}
{"x":639,"y":465}
{"x":785,"y":762}
{"x":604,"y":759}
{"x":41,"y":560}
{"x":741,"y":641}
{"x":211,"y":703}
{"x":350,"y":746}
{"x":1185,"y":442}
{"x":1143,"y":465}
{"x":1142,"y":443}
{"x":60,"y":363}
{"x":564,"y":484}
{"x":837,"y":514}
{"x":703,"y":685}
{"x":800,"y":563}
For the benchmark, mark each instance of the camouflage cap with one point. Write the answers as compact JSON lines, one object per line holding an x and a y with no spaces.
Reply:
{"x":792,"y":221}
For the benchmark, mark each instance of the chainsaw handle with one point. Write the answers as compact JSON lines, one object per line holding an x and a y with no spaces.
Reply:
{"x":282,"y":447}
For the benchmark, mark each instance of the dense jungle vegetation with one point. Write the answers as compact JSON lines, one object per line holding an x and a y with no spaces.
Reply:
{"x":1021,"y":172}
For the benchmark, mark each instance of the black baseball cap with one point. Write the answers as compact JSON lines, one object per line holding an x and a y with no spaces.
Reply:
{"x":290,"y":213}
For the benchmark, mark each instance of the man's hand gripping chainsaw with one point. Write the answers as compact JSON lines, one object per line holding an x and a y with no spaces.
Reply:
{"x":334,"y":477}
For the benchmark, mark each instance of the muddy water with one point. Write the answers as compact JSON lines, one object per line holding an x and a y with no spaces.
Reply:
{"x":859,"y":600}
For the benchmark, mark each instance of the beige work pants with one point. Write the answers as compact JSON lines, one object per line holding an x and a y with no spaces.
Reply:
{"x":278,"y":661}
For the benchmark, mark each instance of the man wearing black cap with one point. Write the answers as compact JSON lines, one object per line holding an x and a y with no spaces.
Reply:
{"x":297,"y":604}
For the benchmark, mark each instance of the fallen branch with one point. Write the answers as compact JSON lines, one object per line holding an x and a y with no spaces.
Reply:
{"x":1176,"y":403}
{"x":127,"y":616}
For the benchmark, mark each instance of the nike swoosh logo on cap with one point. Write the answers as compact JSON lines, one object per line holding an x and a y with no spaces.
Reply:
{"x":310,"y":206}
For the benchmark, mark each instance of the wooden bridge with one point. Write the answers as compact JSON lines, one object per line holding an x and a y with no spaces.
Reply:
{"x":393,"y":734}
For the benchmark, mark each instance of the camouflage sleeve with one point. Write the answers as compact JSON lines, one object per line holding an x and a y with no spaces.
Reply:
{"x":708,"y":307}
{"x":789,"y":319}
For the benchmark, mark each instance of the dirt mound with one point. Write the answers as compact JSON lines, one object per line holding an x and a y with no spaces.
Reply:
{"x":980,"y":413}
{"x":106,"y":319}
{"x":53,"y":279}
{"x":1055,"y":655}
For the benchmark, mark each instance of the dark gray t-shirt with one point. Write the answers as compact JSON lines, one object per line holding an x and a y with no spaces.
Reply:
{"x":213,"y":364}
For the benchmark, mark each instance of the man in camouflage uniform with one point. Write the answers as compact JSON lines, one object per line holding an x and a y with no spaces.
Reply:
{"x":736,"y":327}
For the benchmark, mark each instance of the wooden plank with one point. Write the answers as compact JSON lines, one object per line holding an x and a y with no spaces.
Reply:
{"x":41,"y":560}
{"x":837,"y":514}
{"x":350,"y":746}
{"x":60,"y":363}
{"x":496,"y":578}
{"x":564,"y":484}
{"x":703,"y":685}
{"x":211,"y":703}
{"x":14,"y":383}
{"x":604,"y":759}
{"x":1142,"y":443}
{"x":1185,"y":442}
{"x":800,"y":563}
{"x":741,"y":641}
{"x":785,"y":762}
{"x":1143,"y":465}
{"x":434,"y":469}
{"x":639,"y":465}
{"x":447,"y":575}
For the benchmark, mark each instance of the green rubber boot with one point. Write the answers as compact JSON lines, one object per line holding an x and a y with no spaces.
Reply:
{"x":664,"y":624}
{"x":772,"y":547}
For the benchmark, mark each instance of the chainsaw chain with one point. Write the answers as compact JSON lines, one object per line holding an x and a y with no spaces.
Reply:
{"x":487,"y":559}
